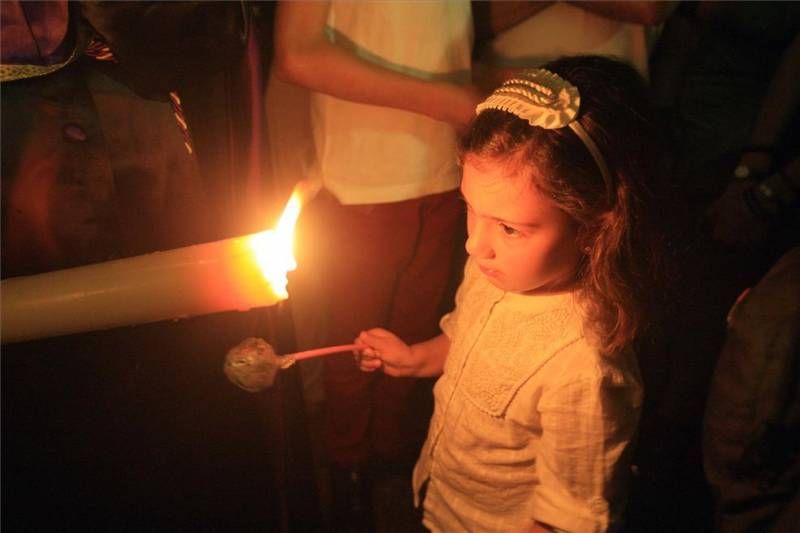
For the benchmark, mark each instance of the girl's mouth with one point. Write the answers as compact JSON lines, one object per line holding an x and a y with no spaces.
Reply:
{"x":490,"y":272}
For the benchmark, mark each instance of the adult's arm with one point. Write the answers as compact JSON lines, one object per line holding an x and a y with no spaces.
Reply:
{"x":493,"y":18}
{"x":781,"y":99}
{"x":647,"y":13}
{"x":305,"y":56}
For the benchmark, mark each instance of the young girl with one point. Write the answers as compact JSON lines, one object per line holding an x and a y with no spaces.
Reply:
{"x":539,"y":395}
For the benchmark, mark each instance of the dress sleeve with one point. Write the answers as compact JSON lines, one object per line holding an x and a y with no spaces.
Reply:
{"x":583,"y":460}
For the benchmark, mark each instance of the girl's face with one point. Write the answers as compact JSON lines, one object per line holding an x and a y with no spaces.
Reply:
{"x":517,"y":236}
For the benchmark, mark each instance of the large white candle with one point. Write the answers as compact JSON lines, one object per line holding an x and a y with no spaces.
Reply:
{"x":233,"y":274}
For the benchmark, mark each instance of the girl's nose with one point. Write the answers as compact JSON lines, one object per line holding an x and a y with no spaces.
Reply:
{"x":478,"y":244}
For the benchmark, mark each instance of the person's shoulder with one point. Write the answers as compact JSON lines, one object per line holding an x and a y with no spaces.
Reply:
{"x":774,"y":301}
{"x":582,"y":361}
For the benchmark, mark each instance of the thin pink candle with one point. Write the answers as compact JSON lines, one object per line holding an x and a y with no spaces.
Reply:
{"x":318,"y":352}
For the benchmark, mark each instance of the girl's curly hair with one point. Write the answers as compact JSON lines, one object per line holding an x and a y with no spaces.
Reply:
{"x":618,"y":227}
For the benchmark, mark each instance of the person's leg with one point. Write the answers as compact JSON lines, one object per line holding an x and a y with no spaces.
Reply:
{"x":401,"y":405}
{"x":365,"y":247}
{"x":368,"y":245}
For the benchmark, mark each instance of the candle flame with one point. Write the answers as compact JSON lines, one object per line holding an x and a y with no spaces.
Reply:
{"x":274,"y":248}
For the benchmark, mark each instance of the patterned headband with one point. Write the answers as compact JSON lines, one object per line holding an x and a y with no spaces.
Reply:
{"x":548,"y":101}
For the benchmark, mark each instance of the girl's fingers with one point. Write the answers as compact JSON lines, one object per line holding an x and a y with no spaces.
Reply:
{"x":369,"y":364}
{"x":367,"y":358}
{"x":370,"y":352}
{"x":377,"y":339}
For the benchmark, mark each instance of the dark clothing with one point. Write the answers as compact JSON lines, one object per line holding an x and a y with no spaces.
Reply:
{"x":137,"y":429}
{"x":95,"y":162}
{"x":399,"y":284}
{"x":752,"y":423}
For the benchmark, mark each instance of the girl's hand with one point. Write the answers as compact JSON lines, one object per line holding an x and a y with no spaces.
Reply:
{"x":366,"y":357}
{"x":383,"y":349}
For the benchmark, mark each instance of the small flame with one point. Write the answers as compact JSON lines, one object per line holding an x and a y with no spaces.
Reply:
{"x":274,"y":248}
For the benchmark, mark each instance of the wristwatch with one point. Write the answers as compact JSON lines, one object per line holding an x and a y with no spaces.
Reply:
{"x":743,"y":171}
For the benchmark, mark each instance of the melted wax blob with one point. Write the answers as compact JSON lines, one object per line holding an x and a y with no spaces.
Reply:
{"x":252,"y":364}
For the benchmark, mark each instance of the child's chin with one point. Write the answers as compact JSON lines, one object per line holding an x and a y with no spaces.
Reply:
{"x":504,"y":284}
{"x":501,"y":284}
{"x":508,"y":286}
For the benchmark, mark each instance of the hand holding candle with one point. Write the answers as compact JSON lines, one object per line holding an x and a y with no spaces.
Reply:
{"x":381,"y":349}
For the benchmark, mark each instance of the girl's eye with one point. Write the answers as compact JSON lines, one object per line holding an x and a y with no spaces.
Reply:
{"x":508,"y":230}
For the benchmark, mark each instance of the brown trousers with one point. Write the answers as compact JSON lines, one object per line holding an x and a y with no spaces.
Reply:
{"x":380,"y":265}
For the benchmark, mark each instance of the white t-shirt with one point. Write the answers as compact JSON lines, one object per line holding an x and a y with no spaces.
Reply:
{"x":370,"y":154}
{"x":564,"y":30}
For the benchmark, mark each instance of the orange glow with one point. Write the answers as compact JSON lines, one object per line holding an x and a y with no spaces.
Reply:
{"x":274,"y":248}
{"x":240,"y":273}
